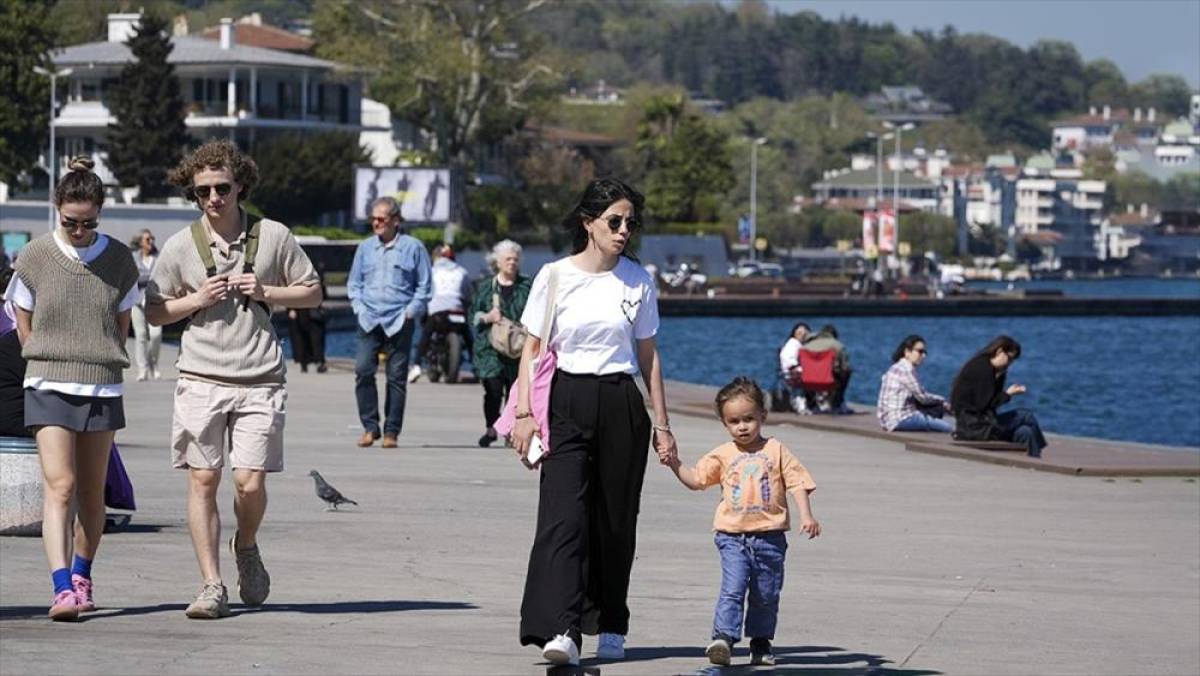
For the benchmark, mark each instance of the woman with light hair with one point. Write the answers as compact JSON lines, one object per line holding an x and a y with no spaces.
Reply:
{"x":496,"y":311}
{"x":147,"y":336}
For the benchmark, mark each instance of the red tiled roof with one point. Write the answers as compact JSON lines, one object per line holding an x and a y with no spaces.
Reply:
{"x":268,"y":37}
{"x":1043,"y":237}
{"x":1133,"y":218}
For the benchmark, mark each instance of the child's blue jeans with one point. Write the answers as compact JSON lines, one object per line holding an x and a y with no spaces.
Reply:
{"x":750,"y":563}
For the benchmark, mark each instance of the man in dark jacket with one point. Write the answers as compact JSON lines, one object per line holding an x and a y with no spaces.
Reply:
{"x":979,"y":390}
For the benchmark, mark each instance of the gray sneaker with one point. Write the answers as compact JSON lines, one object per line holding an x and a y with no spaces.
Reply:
{"x":719,"y":652}
{"x":254,"y":583}
{"x":212,"y":603}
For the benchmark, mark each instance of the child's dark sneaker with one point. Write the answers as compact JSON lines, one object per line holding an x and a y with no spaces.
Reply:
{"x":760,"y":652}
{"x":719,"y":652}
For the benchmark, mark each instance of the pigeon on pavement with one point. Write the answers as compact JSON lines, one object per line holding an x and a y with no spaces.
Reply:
{"x":328,"y":493}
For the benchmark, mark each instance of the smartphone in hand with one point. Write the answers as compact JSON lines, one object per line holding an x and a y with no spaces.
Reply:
{"x":537,"y":451}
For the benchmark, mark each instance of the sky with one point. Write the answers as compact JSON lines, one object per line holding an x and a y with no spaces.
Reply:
{"x":1142,"y":37}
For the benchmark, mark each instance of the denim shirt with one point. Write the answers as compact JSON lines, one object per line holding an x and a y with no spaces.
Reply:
{"x":388,"y":282}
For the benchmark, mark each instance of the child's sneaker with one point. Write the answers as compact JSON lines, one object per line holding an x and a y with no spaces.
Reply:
{"x":83,"y":593}
{"x":611,"y":647}
{"x":719,"y":652}
{"x":760,"y":652}
{"x":64,"y":607}
{"x":561,"y":650}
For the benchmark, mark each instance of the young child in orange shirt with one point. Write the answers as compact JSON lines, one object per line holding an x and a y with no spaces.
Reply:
{"x":751,"y":519}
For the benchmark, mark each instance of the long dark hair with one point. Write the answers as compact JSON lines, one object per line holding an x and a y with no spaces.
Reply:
{"x":1006,"y":343}
{"x":905,"y":345}
{"x":598,"y":196}
{"x":793,"y":332}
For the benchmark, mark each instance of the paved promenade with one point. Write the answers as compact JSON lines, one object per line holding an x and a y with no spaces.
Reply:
{"x":928,"y":565}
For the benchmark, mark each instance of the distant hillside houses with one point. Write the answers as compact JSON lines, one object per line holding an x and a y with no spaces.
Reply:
{"x":1139,"y":140}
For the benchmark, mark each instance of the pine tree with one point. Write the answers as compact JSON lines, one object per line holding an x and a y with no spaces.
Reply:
{"x":25,"y":37}
{"x":149,"y":135}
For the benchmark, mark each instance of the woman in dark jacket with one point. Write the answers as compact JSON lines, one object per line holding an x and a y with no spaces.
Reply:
{"x":979,"y":390}
{"x":501,"y":295}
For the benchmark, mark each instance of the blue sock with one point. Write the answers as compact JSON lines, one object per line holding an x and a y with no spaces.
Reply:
{"x":62,"y":580}
{"x":82,"y":567}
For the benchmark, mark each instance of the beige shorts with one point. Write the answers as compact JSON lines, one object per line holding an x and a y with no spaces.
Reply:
{"x":207,"y":414}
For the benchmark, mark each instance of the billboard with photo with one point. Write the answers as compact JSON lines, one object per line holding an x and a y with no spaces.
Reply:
{"x":423,"y":192}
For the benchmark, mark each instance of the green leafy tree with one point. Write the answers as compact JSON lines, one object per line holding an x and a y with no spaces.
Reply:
{"x":927,"y":232}
{"x":305,"y":175}
{"x":149,"y":136}
{"x":26,"y":35}
{"x":468,"y":73}
{"x":1105,"y":84}
{"x":1181,"y":192}
{"x":689,"y":167}
{"x":1135,"y":189}
{"x":1170,"y":94}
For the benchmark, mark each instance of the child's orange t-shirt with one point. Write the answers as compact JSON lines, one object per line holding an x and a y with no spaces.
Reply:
{"x":753,"y":486}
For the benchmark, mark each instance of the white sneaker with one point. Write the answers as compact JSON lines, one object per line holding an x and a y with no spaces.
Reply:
{"x":155,"y":374}
{"x":611,"y":647}
{"x":141,"y":374}
{"x":561,"y":650}
{"x":414,"y":373}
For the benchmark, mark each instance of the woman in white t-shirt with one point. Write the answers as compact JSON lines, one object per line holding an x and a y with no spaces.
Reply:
{"x":603,"y":332}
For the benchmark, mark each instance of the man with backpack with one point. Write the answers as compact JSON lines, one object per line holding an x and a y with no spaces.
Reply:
{"x":222,"y":275}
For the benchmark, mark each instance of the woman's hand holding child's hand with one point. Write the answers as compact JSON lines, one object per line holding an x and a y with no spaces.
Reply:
{"x":665,"y":447}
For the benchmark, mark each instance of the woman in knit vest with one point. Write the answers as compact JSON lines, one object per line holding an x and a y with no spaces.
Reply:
{"x":73,"y":290}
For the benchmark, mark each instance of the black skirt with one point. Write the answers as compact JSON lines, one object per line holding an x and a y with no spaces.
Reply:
{"x":74,"y":412}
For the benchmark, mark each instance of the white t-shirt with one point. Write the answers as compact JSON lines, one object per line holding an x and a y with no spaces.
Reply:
{"x":598,"y":316}
{"x":789,"y":355}
{"x":22,"y":296}
{"x":451,"y":286}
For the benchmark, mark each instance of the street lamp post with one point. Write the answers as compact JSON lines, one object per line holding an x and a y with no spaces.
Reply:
{"x":754,"y":191}
{"x":879,"y":139}
{"x":51,"y":160}
{"x":900,"y":129}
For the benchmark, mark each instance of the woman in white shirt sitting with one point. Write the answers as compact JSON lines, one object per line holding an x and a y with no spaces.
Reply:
{"x":789,"y":367}
{"x":603,"y":332}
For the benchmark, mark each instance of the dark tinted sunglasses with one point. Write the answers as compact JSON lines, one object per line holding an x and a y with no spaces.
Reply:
{"x":203,"y":191}
{"x":921,"y":351}
{"x":71,"y":223}
{"x":614,"y":222}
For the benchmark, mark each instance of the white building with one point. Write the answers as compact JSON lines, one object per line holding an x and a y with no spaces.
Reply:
{"x":242,"y":92}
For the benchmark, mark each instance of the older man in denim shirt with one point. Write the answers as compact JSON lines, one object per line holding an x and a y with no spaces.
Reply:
{"x":389,"y":287}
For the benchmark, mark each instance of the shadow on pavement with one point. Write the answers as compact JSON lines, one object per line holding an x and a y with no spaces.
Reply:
{"x":342,"y":607}
{"x":806,"y":660}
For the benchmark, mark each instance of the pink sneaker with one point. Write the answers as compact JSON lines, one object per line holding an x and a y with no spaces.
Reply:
{"x":65,"y":607}
{"x":83,"y":593}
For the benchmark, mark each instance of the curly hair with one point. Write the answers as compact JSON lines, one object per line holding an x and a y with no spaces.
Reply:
{"x":216,"y":154}
{"x":79,"y":184}
{"x":740,"y":387}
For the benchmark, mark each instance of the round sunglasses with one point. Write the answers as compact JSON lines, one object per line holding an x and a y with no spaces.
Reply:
{"x":203,"y":191}
{"x":614,"y":222}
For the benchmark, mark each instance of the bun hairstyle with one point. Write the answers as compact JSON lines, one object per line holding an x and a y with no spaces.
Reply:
{"x":598,"y":196}
{"x":79,"y":184}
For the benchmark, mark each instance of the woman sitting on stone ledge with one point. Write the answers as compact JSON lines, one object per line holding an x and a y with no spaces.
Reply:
{"x":979,"y":390}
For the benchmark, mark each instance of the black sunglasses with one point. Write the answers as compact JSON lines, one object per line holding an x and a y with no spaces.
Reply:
{"x":921,"y":351}
{"x":614,"y":222}
{"x":203,"y":191}
{"x":71,"y":223}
